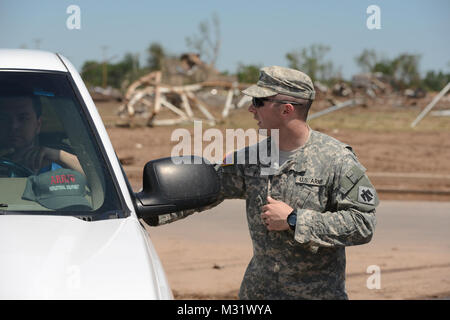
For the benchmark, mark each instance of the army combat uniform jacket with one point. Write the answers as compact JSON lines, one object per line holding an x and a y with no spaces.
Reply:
{"x":335,"y":204}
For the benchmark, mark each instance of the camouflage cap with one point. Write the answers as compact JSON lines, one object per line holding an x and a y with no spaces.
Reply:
{"x":279,"y":80}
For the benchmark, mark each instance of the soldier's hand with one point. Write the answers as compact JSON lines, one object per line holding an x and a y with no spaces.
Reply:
{"x":274,"y":215}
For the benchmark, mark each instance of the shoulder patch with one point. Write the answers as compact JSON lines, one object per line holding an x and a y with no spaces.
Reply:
{"x":366,"y":195}
{"x":351,"y":178}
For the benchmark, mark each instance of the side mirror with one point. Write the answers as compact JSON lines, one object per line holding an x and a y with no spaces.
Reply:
{"x":170,"y":187}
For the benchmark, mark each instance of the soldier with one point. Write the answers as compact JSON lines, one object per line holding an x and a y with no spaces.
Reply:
{"x":316,"y":201}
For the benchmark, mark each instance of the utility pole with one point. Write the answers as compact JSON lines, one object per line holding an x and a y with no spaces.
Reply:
{"x":104,"y":67}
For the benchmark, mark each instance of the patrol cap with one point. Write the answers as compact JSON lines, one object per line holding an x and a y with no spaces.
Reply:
{"x":57,"y":189}
{"x":279,"y":80}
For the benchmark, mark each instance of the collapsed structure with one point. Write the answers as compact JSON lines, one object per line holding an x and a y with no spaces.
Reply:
{"x":166,"y":90}
{"x":187,"y":89}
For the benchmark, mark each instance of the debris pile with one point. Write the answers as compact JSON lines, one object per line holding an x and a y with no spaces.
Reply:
{"x":105,"y":94}
{"x":372,"y":84}
{"x":342,"y":90}
{"x":187,"y":89}
{"x":159,"y":102}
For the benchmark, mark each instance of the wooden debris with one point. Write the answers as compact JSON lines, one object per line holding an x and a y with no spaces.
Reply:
{"x":149,"y":93}
{"x":218,"y":266}
{"x":348,"y":103}
{"x":441,"y":113}
{"x":127,"y":160}
{"x":430,"y":105}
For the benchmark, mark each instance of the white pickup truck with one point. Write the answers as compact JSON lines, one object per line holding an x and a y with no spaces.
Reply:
{"x":70,"y":224}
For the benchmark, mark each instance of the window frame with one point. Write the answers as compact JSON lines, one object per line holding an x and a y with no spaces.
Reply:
{"x":122,"y":211}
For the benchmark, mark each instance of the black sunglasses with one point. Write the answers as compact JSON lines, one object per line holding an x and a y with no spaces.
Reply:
{"x":259,"y":102}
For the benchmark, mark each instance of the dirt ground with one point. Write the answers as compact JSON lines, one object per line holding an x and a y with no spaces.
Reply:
{"x":403,"y":164}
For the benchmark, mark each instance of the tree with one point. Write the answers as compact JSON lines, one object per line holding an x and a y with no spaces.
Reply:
{"x":207,"y":42}
{"x":91,"y":72}
{"x":436,"y":81}
{"x":371,"y":61}
{"x":156,"y":56}
{"x":367,"y":60}
{"x":126,"y":69}
{"x":403,"y":70}
{"x":248,"y":73}
{"x":311,"y":60}
{"x":406,"y":69}
{"x":385,"y":67}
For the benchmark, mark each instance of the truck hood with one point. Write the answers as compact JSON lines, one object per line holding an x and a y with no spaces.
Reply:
{"x":57,"y":257}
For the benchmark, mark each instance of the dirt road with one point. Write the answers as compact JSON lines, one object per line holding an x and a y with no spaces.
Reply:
{"x":205,"y":255}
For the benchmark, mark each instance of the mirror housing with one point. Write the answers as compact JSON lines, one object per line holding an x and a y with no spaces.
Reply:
{"x":174,"y":184}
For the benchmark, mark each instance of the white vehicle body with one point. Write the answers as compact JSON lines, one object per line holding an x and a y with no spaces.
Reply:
{"x":63,"y":257}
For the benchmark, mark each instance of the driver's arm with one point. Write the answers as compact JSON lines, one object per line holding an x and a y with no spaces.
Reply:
{"x":70,"y":161}
{"x":41,"y":156}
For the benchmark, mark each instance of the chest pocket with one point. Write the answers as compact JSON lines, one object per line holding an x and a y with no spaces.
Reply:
{"x":311,"y":192}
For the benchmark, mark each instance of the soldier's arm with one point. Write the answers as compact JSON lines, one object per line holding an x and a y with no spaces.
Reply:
{"x":352,"y":218}
{"x":231,"y":187}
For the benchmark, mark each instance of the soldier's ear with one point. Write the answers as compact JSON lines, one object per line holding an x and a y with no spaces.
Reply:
{"x":288,"y":108}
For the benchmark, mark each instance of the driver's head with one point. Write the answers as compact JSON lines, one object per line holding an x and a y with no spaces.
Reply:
{"x":20,"y":118}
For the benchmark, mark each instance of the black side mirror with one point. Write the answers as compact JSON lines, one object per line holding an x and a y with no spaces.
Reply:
{"x":170,"y":187}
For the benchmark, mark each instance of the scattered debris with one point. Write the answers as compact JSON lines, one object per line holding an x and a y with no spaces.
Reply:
{"x":187,"y":89}
{"x":180,"y":100}
{"x":105,"y":94}
{"x":189,"y":68}
{"x":348,"y":103}
{"x":218,"y":266}
{"x":172,"y":89}
{"x":320,"y":87}
{"x":371,"y":84}
{"x":342,"y":90}
{"x":441,"y":113}
{"x":126,"y":161}
{"x":431,"y":105}
{"x":415,"y":93}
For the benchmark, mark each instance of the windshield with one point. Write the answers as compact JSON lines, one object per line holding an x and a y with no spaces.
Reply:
{"x":50,"y":162}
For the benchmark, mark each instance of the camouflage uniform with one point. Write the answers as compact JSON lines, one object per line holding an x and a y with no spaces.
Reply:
{"x":335,"y":204}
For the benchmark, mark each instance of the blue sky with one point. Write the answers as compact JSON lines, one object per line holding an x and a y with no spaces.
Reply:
{"x":252,"y":32}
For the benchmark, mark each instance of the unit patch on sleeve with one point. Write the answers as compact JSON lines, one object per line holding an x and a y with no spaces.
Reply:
{"x":366,"y":195}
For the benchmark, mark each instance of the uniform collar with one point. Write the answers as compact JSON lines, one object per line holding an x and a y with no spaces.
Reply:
{"x":294,"y":163}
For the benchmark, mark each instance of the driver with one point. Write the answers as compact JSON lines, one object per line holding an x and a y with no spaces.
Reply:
{"x":20,"y":124}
